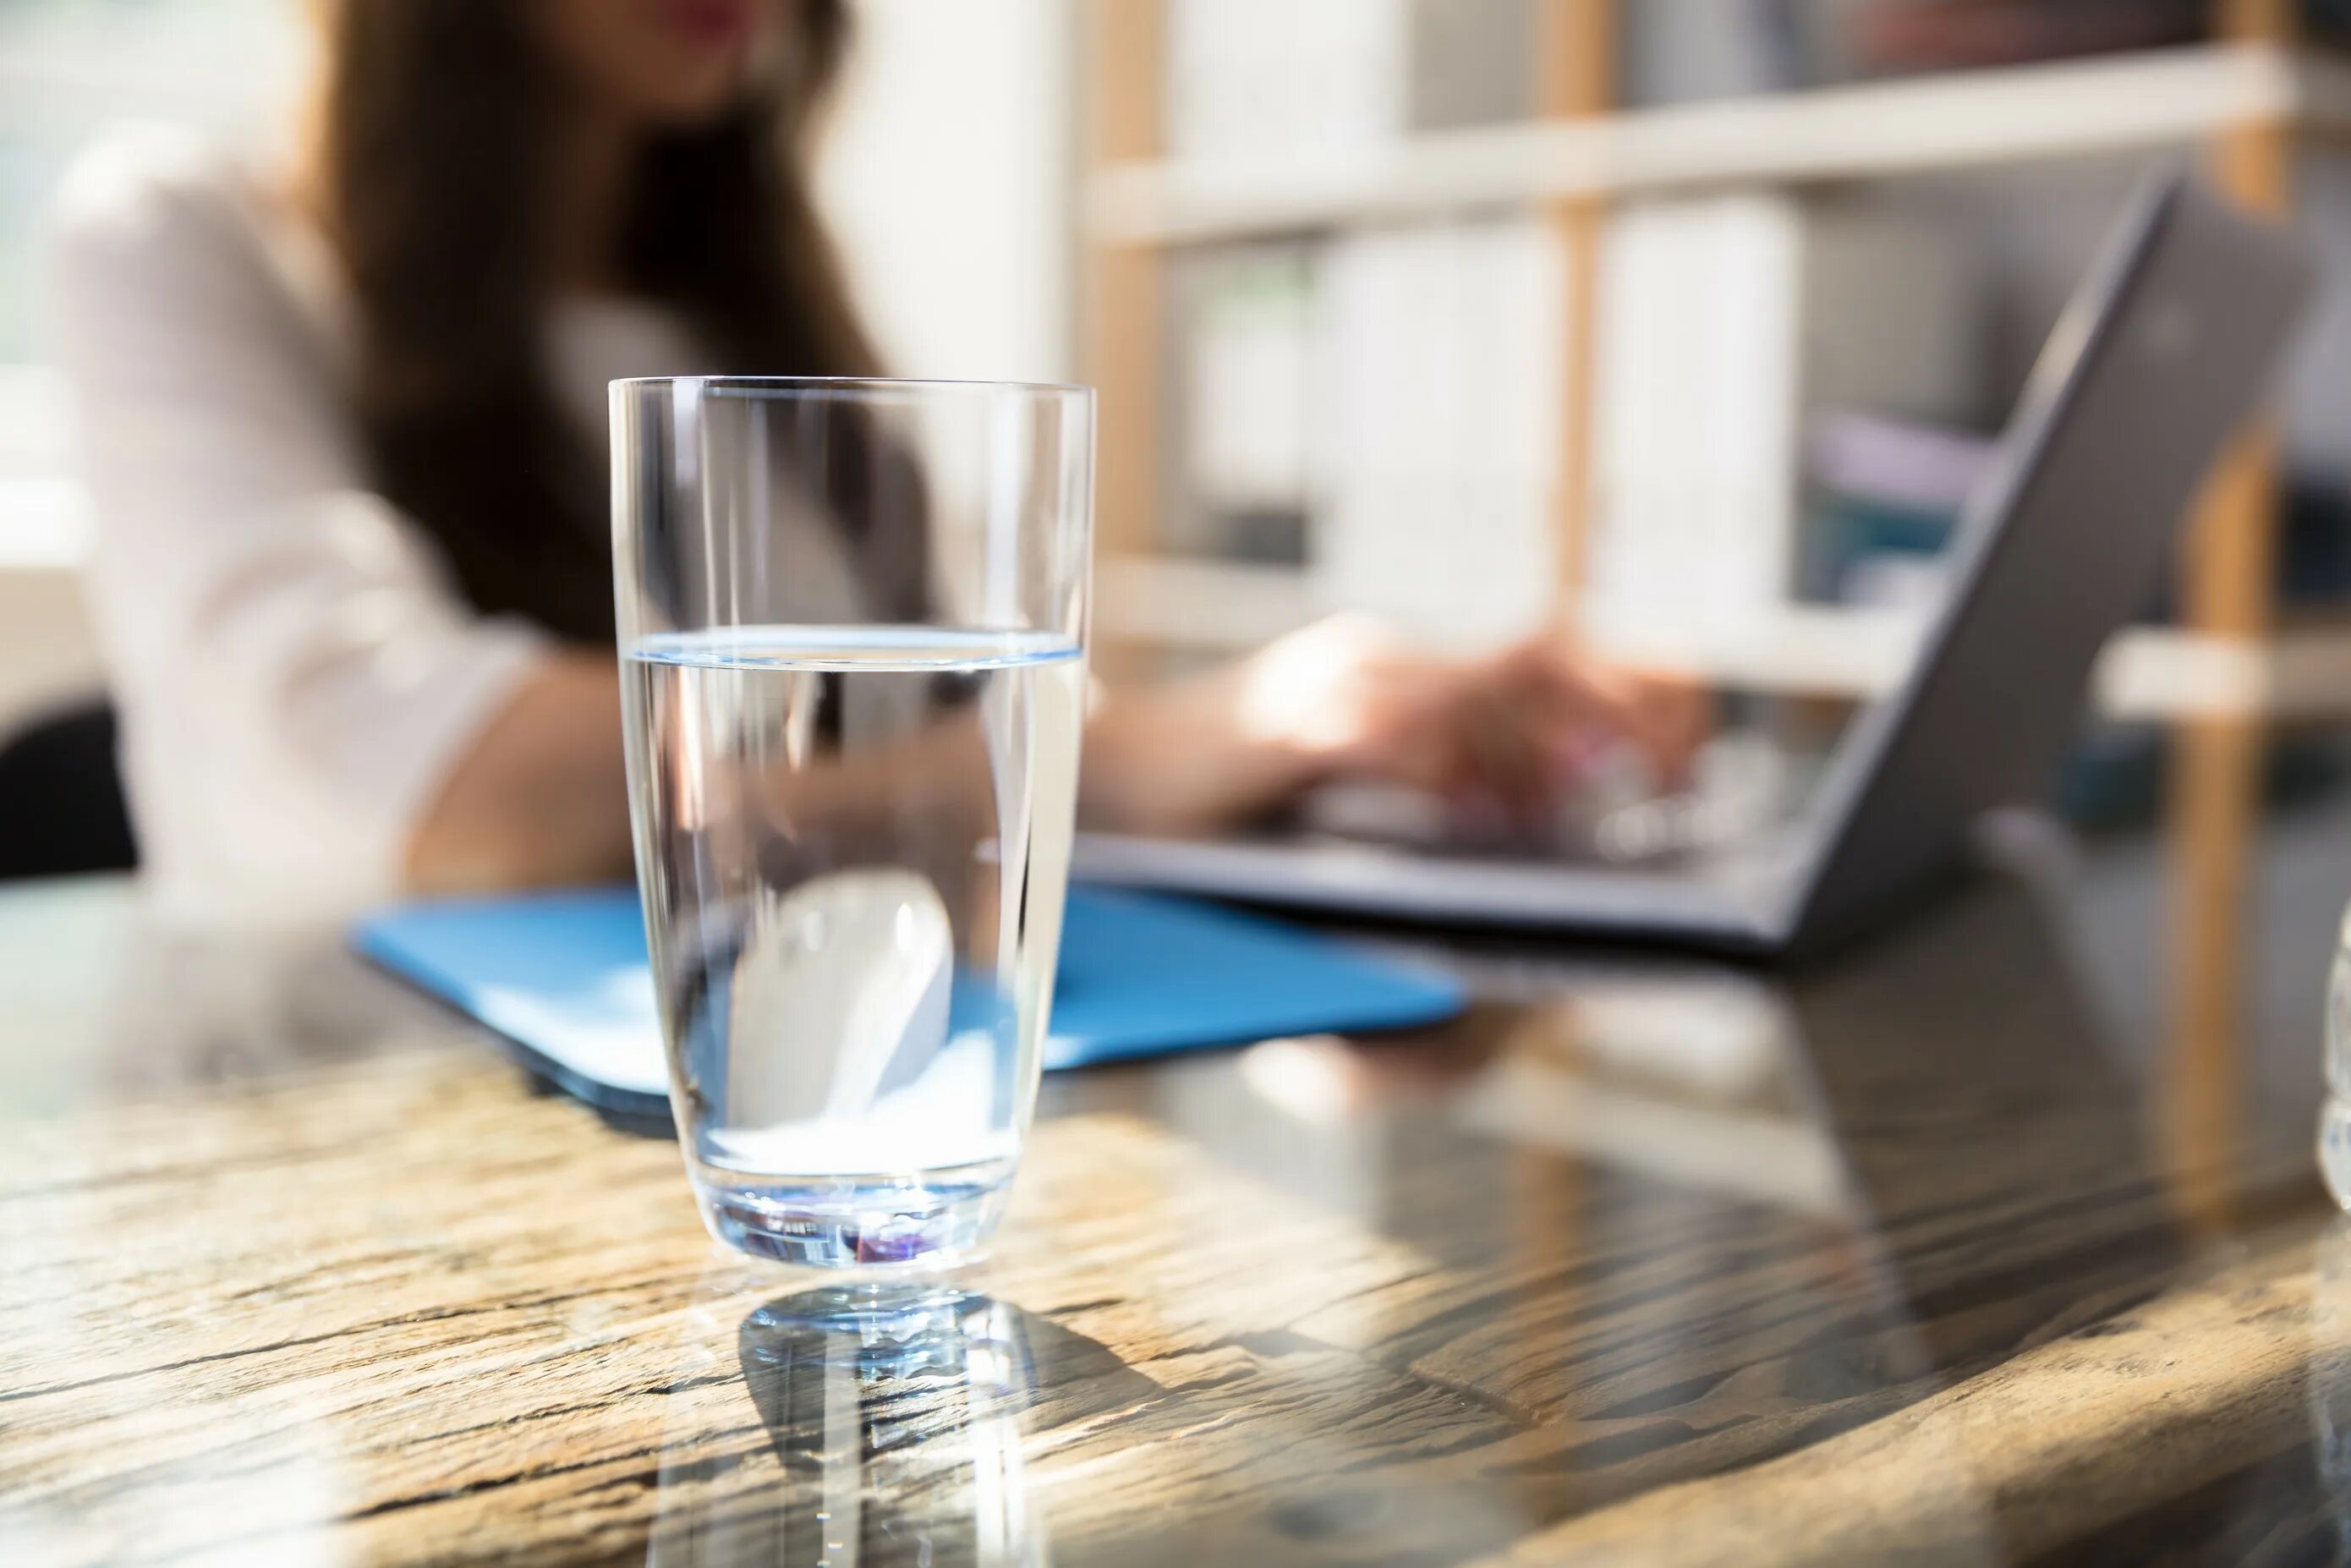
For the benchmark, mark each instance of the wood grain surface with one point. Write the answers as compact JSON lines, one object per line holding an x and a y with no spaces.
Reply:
{"x":1638,"y":1262}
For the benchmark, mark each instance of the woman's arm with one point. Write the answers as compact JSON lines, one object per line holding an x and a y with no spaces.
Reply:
{"x":299,"y":679}
{"x":542,"y":796}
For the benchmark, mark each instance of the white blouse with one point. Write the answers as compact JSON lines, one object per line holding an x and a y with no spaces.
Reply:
{"x":296,"y":670}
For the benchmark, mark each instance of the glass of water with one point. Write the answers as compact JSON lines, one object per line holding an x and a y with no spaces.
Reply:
{"x":853,"y":625}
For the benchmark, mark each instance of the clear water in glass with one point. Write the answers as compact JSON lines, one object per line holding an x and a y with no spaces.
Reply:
{"x":855,"y":843}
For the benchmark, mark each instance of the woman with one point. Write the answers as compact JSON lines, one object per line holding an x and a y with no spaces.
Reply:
{"x":344,"y":432}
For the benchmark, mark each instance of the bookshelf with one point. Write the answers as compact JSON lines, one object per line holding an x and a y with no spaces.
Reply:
{"x":2248,"y":101}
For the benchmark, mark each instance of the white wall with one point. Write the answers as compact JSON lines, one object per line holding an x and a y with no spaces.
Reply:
{"x":947,"y":178}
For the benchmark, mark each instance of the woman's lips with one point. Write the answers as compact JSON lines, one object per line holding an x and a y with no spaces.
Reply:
{"x":712,"y":22}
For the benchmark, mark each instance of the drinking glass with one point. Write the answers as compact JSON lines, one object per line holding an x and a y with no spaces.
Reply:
{"x":852,"y":621}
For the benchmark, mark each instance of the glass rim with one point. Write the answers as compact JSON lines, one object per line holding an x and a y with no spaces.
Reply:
{"x":786,"y":385}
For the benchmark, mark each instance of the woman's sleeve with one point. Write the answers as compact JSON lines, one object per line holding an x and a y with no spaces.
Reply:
{"x":296,"y":672}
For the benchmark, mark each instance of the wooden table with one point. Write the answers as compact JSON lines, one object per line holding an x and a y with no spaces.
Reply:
{"x":1946,"y":1251}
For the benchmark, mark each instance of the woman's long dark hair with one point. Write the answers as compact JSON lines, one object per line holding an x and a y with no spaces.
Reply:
{"x":430,"y":155}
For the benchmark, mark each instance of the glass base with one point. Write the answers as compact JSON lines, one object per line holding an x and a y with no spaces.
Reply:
{"x":885,"y":1227}
{"x":897,"y":1325}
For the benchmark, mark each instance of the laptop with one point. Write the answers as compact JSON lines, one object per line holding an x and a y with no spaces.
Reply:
{"x":2173,"y":336}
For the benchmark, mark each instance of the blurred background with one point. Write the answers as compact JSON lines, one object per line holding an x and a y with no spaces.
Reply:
{"x":1691,"y":319}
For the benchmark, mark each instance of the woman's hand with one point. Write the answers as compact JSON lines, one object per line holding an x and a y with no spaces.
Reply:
{"x":1503,"y":733}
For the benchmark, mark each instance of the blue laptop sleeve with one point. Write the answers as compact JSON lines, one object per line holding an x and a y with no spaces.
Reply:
{"x":565,"y":979}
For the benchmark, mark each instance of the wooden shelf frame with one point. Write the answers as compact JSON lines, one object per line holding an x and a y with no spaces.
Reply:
{"x":2136,"y":102}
